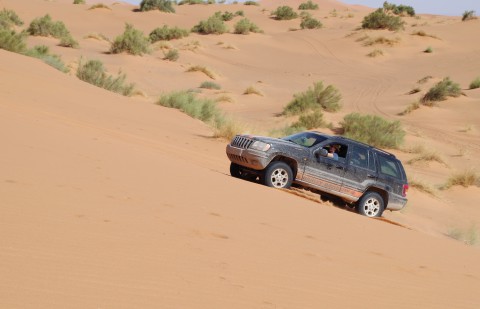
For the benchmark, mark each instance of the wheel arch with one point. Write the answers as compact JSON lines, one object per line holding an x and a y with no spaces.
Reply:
{"x":291,"y":162}
{"x":383,"y":194}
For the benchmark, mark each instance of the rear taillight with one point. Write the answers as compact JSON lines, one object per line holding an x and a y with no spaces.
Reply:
{"x":404,"y":190}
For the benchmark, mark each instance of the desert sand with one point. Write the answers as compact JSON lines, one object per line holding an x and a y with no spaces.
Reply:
{"x":115,"y":202}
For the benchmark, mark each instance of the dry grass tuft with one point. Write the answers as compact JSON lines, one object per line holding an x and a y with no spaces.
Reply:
{"x":202,"y":69}
{"x":381,"y":40}
{"x":425,"y":157}
{"x":469,"y":236}
{"x":375,"y":53}
{"x":224,"y":98}
{"x":422,"y":187}
{"x":252,"y":90}
{"x":99,"y":6}
{"x":424,"y":34}
{"x":97,"y":36}
{"x":410,"y":108}
{"x":465,"y":179}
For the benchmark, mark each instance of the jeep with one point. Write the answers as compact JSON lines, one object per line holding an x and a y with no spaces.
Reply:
{"x":365,"y":177}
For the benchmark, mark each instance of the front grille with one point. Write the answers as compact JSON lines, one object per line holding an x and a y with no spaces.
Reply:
{"x":235,"y":158}
{"x":241,"y":142}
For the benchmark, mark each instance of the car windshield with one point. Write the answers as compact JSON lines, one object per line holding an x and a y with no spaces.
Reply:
{"x":306,"y":139}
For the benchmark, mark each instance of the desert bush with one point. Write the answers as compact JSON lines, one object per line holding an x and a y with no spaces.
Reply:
{"x":410,"y":108}
{"x":172,"y":55}
{"x":78,"y":1}
{"x":318,"y":97}
{"x":225,"y":16}
{"x":381,"y":20}
{"x":399,"y":9}
{"x":12,"y":41}
{"x":251,"y":3}
{"x":93,"y":72}
{"x":428,"y":50}
{"x":9,"y":18}
{"x":131,"y":41}
{"x":424,"y":34}
{"x":99,"y":6}
{"x":309,"y":5}
{"x":245,"y":26}
{"x":311,"y":120}
{"x":475,"y":83}
{"x":191,"y":2}
{"x":465,"y":179}
{"x":204,"y":70}
{"x":68,"y":41}
{"x":45,"y":26}
{"x":284,"y":13}
{"x":213,"y":25}
{"x":210,"y":85}
{"x":468,"y":15}
{"x":187,"y":102}
{"x":161,"y":5}
{"x":469,"y":236}
{"x":308,"y":22}
{"x":166,"y":33}
{"x":442,"y":90}
{"x":373,"y":130}
{"x":239,"y":13}
{"x":42,"y":52}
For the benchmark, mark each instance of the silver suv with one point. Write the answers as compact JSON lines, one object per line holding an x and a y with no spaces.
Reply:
{"x":367,"y":178}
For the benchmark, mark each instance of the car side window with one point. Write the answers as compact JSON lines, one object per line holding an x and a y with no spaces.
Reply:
{"x":339,"y":149}
{"x":359,"y":157}
{"x":388,"y":166}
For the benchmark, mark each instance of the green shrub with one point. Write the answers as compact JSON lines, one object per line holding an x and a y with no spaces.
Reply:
{"x":318,"y":97}
{"x":191,"y":2}
{"x":239,"y":13}
{"x":45,"y":26}
{"x":42,"y":52}
{"x":398,"y":9}
{"x":213,"y":25}
{"x":475,"y":83}
{"x":468,"y":15}
{"x":172,"y":55}
{"x":308,"y":22}
{"x":8,"y":18}
{"x":251,"y":3}
{"x":309,"y":5}
{"x":245,"y":26}
{"x":12,"y":41}
{"x":442,"y":90}
{"x":78,"y":1}
{"x":311,"y":121}
{"x":373,"y":130}
{"x":94,"y":73}
{"x":210,"y":85}
{"x":187,"y":102}
{"x":225,"y":16}
{"x":381,"y":20}
{"x":131,"y":41}
{"x":428,"y":50}
{"x":161,"y":5}
{"x":284,"y":13}
{"x":166,"y":34}
{"x":68,"y":41}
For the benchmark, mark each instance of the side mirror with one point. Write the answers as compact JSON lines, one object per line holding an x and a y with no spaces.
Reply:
{"x":321,"y":153}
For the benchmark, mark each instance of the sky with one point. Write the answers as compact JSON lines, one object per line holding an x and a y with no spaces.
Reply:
{"x":441,"y":7}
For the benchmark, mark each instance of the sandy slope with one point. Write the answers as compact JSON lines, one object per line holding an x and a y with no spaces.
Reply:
{"x":113,"y":202}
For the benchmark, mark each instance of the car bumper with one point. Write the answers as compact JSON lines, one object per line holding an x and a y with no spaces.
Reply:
{"x":253,"y":159}
{"x":396,"y":203}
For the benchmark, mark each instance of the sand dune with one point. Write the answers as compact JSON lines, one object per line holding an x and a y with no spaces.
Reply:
{"x":115,"y":202}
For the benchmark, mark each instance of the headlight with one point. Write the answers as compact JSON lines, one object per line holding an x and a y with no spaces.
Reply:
{"x":260,"y":146}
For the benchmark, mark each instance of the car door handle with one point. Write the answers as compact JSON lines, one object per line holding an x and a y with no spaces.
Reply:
{"x":371,"y":176}
{"x":339,"y":167}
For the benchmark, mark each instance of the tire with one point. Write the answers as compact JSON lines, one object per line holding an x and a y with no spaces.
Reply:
{"x":278,"y":175}
{"x":371,"y":205}
{"x":235,"y":170}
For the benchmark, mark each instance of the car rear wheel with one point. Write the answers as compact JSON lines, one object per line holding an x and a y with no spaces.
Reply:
{"x":371,"y":205}
{"x":278,"y":175}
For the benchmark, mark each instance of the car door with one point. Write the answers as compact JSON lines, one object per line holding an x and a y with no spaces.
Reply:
{"x":360,"y":172}
{"x":326,"y":173}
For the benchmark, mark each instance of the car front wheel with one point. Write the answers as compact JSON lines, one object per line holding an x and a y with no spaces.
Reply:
{"x":278,"y":175}
{"x":371,"y":205}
